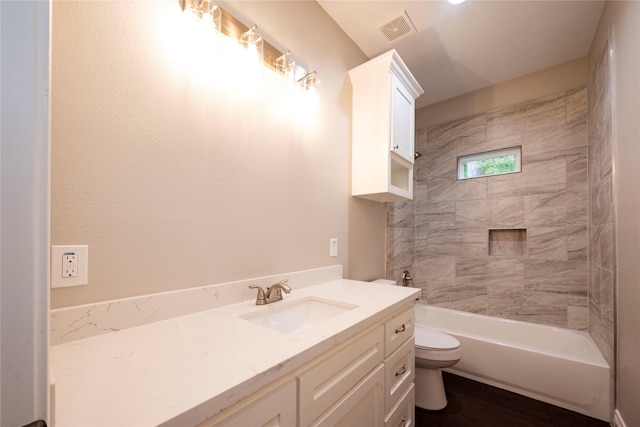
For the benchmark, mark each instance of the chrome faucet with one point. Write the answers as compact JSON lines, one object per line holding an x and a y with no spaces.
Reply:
{"x":273,"y":294}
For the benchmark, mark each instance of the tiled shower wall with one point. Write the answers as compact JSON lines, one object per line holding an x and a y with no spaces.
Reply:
{"x":601,"y":219}
{"x":441,"y":236}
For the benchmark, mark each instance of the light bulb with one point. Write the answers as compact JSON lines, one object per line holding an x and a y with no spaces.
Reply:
{"x":252,"y":41}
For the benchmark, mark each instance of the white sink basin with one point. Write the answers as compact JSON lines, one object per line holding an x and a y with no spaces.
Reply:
{"x":299,"y":315}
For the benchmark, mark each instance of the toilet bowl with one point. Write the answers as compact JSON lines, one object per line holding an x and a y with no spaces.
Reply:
{"x":434,"y":350}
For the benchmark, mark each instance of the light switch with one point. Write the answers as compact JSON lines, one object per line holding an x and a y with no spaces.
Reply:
{"x":333,"y":246}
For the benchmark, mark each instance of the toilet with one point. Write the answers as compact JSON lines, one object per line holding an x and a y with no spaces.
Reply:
{"x":435,"y":350}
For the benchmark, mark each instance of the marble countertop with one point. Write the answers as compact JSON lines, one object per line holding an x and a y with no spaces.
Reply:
{"x":181,"y":371}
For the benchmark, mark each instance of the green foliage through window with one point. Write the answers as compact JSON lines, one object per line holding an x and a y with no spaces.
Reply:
{"x":489,"y":163}
{"x":492,"y":166}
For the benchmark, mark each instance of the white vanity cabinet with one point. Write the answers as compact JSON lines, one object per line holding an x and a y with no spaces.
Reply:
{"x":334,"y":391}
{"x":383,"y":132}
{"x":366,"y":381}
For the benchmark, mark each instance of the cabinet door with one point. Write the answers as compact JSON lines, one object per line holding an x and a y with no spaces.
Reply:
{"x":276,"y":409}
{"x":360,"y":407}
{"x":325,"y":382}
{"x":402,"y":120}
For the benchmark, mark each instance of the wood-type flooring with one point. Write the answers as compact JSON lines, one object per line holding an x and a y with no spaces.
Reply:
{"x":473,"y":404}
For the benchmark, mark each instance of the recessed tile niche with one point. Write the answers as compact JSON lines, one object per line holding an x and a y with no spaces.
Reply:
{"x":508,"y":242}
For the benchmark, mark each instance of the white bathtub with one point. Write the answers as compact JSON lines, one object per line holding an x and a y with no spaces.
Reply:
{"x":555,"y":365}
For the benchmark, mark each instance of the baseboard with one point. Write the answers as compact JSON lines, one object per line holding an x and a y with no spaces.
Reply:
{"x":617,"y":420}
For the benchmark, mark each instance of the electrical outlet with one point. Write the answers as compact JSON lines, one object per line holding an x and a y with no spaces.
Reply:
{"x":69,"y":266}
{"x":333,"y":246}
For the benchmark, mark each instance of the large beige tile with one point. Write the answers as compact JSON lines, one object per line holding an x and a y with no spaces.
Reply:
{"x":548,"y":243}
{"x":493,"y":212}
{"x":548,"y":210}
{"x":536,"y":178}
{"x":556,"y":276}
{"x":547,"y":308}
{"x":468,"y":130}
{"x":576,"y":105}
{"x":441,"y":189}
{"x":577,"y":237}
{"x":526,"y":117}
{"x":557,"y":138}
{"x":469,"y":298}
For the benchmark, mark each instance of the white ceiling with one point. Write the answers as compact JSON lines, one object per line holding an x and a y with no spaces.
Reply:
{"x":461,"y":48}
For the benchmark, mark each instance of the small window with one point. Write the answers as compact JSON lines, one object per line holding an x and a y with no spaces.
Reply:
{"x":496,"y":162}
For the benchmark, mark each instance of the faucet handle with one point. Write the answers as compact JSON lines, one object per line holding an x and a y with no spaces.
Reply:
{"x":261,"y":298}
{"x":274,"y":292}
{"x":406,"y":278}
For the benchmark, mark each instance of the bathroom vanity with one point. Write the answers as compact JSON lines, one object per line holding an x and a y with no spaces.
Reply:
{"x":338,"y":353}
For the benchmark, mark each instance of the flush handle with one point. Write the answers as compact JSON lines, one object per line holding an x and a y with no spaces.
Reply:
{"x":401,"y":371}
{"x":401,"y":329}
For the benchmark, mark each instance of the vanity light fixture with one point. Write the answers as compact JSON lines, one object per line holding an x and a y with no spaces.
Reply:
{"x":208,"y":12}
{"x":252,"y":41}
{"x":259,"y":49}
{"x":286,"y":66}
{"x":309,"y":82}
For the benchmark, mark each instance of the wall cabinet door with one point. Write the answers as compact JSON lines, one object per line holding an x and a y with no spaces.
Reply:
{"x":402,"y":121}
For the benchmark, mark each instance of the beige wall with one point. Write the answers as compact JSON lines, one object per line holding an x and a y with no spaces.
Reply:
{"x":180,"y":170}
{"x":545,"y":82}
{"x":622,"y":19}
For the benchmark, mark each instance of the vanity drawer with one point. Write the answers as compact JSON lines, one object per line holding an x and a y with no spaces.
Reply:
{"x":398,"y":329}
{"x":327,"y":381}
{"x":360,"y":407}
{"x":404,"y":412}
{"x":399,"y":373}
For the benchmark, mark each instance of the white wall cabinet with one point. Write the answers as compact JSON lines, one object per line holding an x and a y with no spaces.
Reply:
{"x":383,"y":135}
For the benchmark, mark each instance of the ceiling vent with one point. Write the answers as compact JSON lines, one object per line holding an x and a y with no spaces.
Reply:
{"x":397,"y":27}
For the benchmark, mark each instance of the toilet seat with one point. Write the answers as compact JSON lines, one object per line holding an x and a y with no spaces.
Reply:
{"x":431,"y":339}
{"x":435,"y":346}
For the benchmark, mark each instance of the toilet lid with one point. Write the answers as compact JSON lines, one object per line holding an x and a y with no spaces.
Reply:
{"x":430,"y":338}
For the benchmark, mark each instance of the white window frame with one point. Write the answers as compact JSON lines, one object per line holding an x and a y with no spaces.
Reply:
{"x":517,"y":151}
